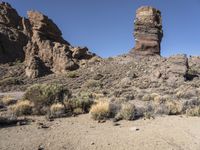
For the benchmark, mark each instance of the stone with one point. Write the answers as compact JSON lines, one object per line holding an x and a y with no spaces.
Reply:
{"x":38,"y":42}
{"x":148,"y":31}
{"x":12,"y":36}
{"x":56,"y":54}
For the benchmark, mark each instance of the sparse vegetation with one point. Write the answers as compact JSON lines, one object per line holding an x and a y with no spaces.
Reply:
{"x":44,"y":95}
{"x":100,"y":110}
{"x":193,"y":111}
{"x":78,"y":111}
{"x":174,"y":107}
{"x":127,"y":111}
{"x":8,"y":100}
{"x":83,"y":101}
{"x":22,"y":108}
{"x":92,"y":84}
{"x":10,"y":81}
{"x":72,"y":74}
{"x":57,"y":110}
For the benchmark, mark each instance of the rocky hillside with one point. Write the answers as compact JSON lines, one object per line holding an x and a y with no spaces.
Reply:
{"x":33,"y":51}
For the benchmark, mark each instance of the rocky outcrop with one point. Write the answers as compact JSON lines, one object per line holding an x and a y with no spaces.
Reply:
{"x":148,"y":31}
{"x":12,"y":36}
{"x":38,"y":42}
{"x":47,"y":45}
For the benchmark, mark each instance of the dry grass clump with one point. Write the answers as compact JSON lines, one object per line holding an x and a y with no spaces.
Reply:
{"x":193,"y":111}
{"x":44,"y":95}
{"x":152,"y":96}
{"x":128,"y":111}
{"x":8,"y":100}
{"x":78,"y":111}
{"x":22,"y":108}
{"x":91,"y":84}
{"x":57,"y":110}
{"x":100,"y":110}
{"x":174,"y":107}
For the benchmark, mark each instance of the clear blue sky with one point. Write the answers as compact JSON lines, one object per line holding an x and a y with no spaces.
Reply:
{"x":106,"y":26}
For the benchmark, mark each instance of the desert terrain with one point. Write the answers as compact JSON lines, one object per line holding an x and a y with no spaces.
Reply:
{"x":56,"y":96}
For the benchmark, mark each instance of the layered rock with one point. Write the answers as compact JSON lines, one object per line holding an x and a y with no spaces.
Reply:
{"x":38,"y":41}
{"x":47,"y":45}
{"x":12,"y":36}
{"x":148,"y":31}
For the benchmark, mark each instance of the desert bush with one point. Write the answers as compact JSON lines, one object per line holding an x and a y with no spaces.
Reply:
{"x":78,"y":111}
{"x":152,"y":96}
{"x":8,"y":100}
{"x":72,"y":74}
{"x":44,"y":95}
{"x":128,"y":111}
{"x":22,"y":108}
{"x":57,"y":110}
{"x":100,"y":110}
{"x":83,"y":100}
{"x":195,"y":111}
{"x":10,"y":81}
{"x":174,"y":107}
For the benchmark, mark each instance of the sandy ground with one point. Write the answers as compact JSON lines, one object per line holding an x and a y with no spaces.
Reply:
{"x":82,"y":133}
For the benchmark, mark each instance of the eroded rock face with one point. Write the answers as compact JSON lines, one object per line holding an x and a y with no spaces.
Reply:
{"x":55,"y":54}
{"x":148,"y":31}
{"x":12,"y":36}
{"x":38,"y":42}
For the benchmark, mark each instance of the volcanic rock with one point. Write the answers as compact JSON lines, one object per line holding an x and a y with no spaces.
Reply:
{"x":148,"y":31}
{"x":38,"y":42}
{"x":12,"y":36}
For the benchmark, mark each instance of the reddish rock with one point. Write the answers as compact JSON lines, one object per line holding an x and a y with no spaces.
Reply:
{"x":148,"y":31}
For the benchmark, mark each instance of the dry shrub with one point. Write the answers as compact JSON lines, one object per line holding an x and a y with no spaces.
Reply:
{"x":78,"y":111}
{"x":193,"y":111}
{"x":100,"y":110}
{"x":128,"y":111}
{"x":83,"y":101}
{"x":91,"y":84}
{"x":146,"y":97}
{"x":57,"y":110}
{"x":174,"y":107}
{"x":22,"y":108}
{"x":152,"y":96}
{"x":8,"y":100}
{"x":44,"y":95}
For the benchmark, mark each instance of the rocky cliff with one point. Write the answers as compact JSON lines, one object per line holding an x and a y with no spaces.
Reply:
{"x":38,"y":42}
{"x":12,"y":36}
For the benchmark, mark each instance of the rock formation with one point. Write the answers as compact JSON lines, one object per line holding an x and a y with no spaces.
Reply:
{"x":148,"y":31}
{"x":12,"y":36}
{"x":38,"y":41}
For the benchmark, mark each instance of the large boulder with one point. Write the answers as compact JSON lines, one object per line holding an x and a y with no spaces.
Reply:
{"x":148,"y":31}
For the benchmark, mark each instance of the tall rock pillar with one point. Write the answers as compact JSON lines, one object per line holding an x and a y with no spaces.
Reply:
{"x":148,"y":31}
